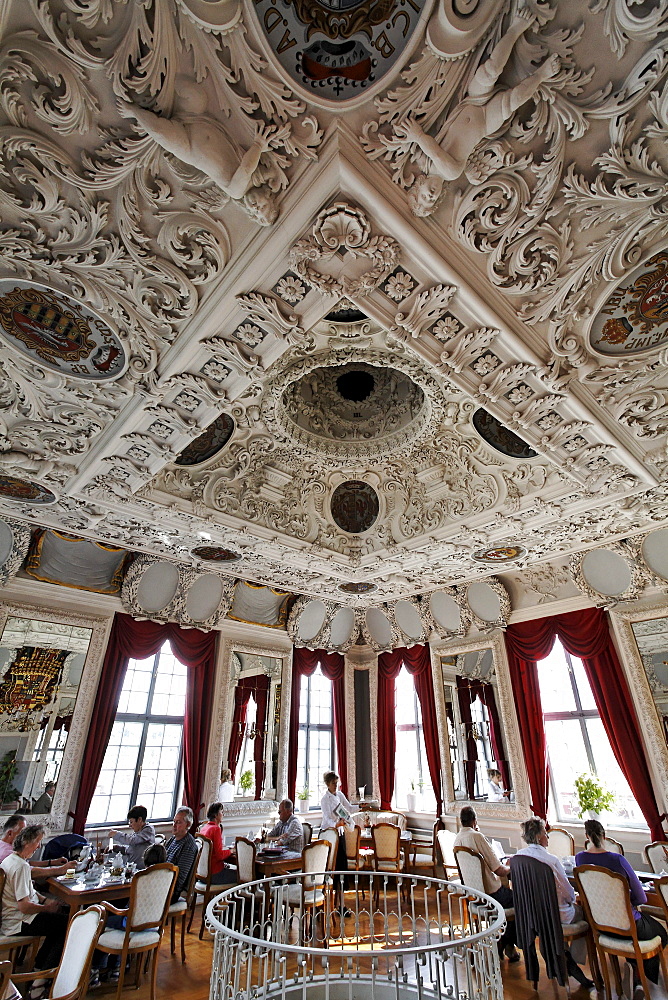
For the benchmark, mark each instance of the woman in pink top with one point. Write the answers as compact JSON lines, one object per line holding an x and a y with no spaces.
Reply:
{"x":213,"y":829}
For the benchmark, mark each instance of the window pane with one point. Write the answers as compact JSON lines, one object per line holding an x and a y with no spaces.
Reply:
{"x":584,"y":690}
{"x":556,"y":691}
{"x":568,"y":758}
{"x":136,"y":685}
{"x":625,"y":809}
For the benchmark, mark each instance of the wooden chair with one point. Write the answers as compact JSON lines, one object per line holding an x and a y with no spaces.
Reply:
{"x":203,"y":887}
{"x":181,"y":907}
{"x":656,"y":856}
{"x":14,"y":943}
{"x":446,"y":853}
{"x":309,"y":893}
{"x":353,"y":848}
{"x":610,"y":845}
{"x":5,"y":976}
{"x":537,"y":915}
{"x":332,"y":838}
{"x":308,"y":833}
{"x":387,"y":854}
{"x":428,"y":850}
{"x":150,"y":896}
{"x":607,"y":904}
{"x":562,"y":843}
{"x":471,"y":867}
{"x":70,"y":979}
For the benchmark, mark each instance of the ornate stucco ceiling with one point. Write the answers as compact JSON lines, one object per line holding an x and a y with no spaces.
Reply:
{"x":350,"y":270}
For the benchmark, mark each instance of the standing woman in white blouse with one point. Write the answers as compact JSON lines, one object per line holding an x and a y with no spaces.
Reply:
{"x":333,"y":804}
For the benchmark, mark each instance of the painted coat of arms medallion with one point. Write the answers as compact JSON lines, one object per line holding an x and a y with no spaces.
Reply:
{"x":634,"y":318}
{"x":58,"y":332}
{"x":336,"y":49}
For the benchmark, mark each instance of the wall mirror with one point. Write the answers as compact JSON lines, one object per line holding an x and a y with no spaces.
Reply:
{"x":44,"y":706}
{"x":643,"y":640}
{"x":478,"y":727}
{"x":253,"y":745}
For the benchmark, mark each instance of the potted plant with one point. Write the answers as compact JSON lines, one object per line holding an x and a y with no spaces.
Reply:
{"x":304,"y":800}
{"x":411,"y":798}
{"x":592,"y":795}
{"x":9,"y":795}
{"x":246,"y":781}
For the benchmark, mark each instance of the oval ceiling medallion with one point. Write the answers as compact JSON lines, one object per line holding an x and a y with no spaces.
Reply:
{"x":23,"y":491}
{"x":59,"y":333}
{"x":214,"y":553}
{"x":500,"y":553}
{"x":337,"y":49}
{"x":209,"y":443}
{"x":357,"y":588}
{"x":634,"y":318}
{"x":354,"y":506}
{"x":500,"y":437}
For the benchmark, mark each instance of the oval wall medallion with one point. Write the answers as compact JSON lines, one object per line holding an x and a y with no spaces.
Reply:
{"x":338,"y":49}
{"x":634,"y":318}
{"x":500,"y":553}
{"x":354,"y":506}
{"x":58,"y":332}
{"x":215,"y":553}
{"x":500,"y":437}
{"x":23,"y":491}
{"x":209,"y":443}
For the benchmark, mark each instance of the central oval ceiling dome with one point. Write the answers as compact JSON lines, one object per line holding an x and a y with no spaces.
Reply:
{"x":354,"y":402}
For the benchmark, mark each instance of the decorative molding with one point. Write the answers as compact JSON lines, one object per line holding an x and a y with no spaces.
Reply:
{"x":176,"y":609}
{"x":637,"y":573}
{"x":21,"y":535}
{"x":58,"y":820}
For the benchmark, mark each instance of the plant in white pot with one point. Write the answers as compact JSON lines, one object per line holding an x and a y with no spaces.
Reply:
{"x":304,"y":800}
{"x":411,"y":798}
{"x":246,"y":781}
{"x":592,"y":795}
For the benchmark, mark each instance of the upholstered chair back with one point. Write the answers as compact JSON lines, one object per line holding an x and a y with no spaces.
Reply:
{"x":607,"y":897}
{"x":82,"y":934}
{"x":245,"y":851}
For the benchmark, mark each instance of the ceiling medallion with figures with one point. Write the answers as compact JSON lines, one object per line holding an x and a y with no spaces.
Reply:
{"x":23,"y":491}
{"x":504,"y":553}
{"x":58,"y":333}
{"x":361,"y":587}
{"x":355,"y":506}
{"x":634,"y":318}
{"x":337,"y":49}
{"x":215,"y":553}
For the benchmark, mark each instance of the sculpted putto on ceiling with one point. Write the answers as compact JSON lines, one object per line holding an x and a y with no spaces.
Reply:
{"x":413,"y":245}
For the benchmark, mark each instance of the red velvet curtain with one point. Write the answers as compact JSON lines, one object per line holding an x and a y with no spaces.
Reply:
{"x":468,"y":689}
{"x":584,"y":634}
{"x":258,"y":687}
{"x":131,"y":639}
{"x":418,"y":663}
{"x":304,"y":663}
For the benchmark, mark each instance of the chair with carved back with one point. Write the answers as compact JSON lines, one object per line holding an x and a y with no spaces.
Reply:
{"x":446,"y":853}
{"x":186,"y":903}
{"x":308,"y":833}
{"x":70,"y":980}
{"x":145,"y":917}
{"x":561,"y":843}
{"x":610,"y":845}
{"x":428,"y":851}
{"x":606,"y":900}
{"x":656,"y":856}
{"x":308,"y":894}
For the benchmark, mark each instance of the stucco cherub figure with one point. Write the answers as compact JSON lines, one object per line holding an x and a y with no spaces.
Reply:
{"x":201,"y":141}
{"x":484,"y":110}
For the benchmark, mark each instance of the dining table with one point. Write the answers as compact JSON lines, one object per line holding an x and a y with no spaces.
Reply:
{"x":75,"y":893}
{"x":275,"y":862}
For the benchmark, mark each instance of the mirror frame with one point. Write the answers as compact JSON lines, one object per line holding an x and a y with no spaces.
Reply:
{"x":521,"y":807}
{"x":656,"y":749}
{"x":100,"y":625}
{"x":223,"y":723}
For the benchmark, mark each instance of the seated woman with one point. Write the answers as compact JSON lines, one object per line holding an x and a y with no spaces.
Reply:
{"x":646,"y":926}
{"x":213,"y":829}
{"x":24,"y":911}
{"x":495,"y":790}
{"x":141,"y":835}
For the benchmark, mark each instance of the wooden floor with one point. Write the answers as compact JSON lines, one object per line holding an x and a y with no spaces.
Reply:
{"x":191,"y":981}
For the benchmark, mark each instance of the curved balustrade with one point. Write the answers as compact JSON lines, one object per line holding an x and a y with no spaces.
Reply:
{"x":394,"y":936}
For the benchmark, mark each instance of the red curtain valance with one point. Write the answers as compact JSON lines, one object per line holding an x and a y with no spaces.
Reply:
{"x":418,"y":663}
{"x":584,"y":634}
{"x":132,"y":639}
{"x":304,"y":663}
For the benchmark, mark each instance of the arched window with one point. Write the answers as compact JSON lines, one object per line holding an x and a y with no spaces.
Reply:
{"x":411,"y":772}
{"x":143,"y":760}
{"x":315,"y":742}
{"x":576,"y":740}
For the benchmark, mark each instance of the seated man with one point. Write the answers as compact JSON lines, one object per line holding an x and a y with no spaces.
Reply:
{"x":45,"y":801}
{"x":288,"y":832}
{"x":38,"y":869}
{"x":181,"y":848}
{"x":471,"y":837}
{"x":142,"y":835}
{"x":535,"y":837}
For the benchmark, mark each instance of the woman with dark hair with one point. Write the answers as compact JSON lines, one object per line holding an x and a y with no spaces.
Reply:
{"x":646,"y":926}
{"x":213,"y":829}
{"x":24,"y":911}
